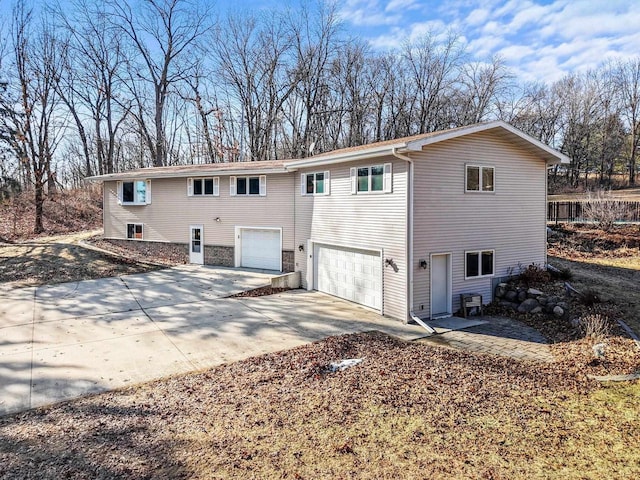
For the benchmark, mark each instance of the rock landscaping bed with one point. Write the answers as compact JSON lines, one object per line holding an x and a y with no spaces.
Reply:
{"x":582,"y":327}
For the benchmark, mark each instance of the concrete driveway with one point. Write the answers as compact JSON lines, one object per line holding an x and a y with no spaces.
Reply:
{"x":61,"y":341}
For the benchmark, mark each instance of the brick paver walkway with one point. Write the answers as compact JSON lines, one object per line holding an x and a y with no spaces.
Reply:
{"x":498,"y":336}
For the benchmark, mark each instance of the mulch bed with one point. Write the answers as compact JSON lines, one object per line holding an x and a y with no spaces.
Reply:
{"x":260,"y":292}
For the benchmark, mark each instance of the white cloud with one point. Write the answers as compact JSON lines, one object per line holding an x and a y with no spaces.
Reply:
{"x":540,"y":41}
{"x":395,"y":5}
{"x":367,"y":13}
{"x":477,"y":16}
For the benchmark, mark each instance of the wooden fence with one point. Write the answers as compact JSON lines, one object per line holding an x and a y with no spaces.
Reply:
{"x":575,"y":211}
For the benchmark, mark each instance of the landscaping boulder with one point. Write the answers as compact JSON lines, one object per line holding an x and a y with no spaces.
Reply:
{"x":558,"y":311}
{"x":511,"y":296}
{"x":528,"y":305}
{"x":534,"y":293}
{"x":522,"y":296}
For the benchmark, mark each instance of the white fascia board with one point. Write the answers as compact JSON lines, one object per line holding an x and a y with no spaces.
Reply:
{"x":553,"y":156}
{"x":194,"y":174}
{"x":344,"y":157}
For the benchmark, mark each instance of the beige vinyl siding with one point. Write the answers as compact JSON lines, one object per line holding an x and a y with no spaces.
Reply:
{"x":171,"y":211}
{"x":511,"y":221}
{"x":365,"y":221}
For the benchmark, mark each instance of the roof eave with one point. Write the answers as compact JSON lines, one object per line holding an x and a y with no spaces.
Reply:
{"x":344,"y":157}
{"x":140,"y":174}
{"x":550,"y":155}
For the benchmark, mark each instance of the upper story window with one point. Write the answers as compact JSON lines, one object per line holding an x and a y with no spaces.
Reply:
{"x":315,"y":183}
{"x":374,"y":178}
{"x":479,"y":178}
{"x":135,"y":192}
{"x":203,"y":186}
{"x":248,"y":185}
{"x":479,"y":264}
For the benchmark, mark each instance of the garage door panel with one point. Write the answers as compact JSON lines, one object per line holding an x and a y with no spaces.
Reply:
{"x":349,"y":273}
{"x":260,"y":248}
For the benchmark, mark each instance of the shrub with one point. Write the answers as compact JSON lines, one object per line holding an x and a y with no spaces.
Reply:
{"x":595,"y":325}
{"x":534,"y":275}
{"x":590,"y":297}
{"x":604,"y":209}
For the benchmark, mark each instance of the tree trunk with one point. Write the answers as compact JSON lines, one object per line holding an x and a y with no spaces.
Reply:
{"x":39,"y":203}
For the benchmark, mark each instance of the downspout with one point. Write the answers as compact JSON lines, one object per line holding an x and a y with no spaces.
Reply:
{"x":409,"y":239}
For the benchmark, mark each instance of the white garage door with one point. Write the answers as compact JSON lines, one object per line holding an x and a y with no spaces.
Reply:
{"x":260,"y":248}
{"x":351,"y":274}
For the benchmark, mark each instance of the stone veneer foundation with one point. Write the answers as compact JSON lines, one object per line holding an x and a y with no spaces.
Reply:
{"x":213,"y":254}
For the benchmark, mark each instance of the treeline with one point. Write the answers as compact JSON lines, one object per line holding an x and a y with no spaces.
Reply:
{"x":103,"y":86}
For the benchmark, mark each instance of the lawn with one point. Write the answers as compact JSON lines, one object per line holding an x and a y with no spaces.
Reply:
{"x":407,"y":411}
{"x":607,"y":262}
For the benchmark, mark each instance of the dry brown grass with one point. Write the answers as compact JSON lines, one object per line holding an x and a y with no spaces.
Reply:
{"x":407,"y":411}
{"x":58,"y":259}
{"x":65,"y":212}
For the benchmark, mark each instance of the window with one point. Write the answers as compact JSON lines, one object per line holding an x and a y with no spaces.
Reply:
{"x":134,"y":231}
{"x":248,"y":185}
{"x":137,"y":192}
{"x":479,"y":179}
{"x":203,"y":186}
{"x":479,"y":264}
{"x":375,"y":178}
{"x":314,"y":183}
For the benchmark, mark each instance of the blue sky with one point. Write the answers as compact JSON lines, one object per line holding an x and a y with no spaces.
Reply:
{"x":540,"y":40}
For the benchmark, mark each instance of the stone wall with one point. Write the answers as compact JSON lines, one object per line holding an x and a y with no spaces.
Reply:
{"x":178,"y":252}
{"x":288,"y":261}
{"x":218,"y":255}
{"x":529,"y":300}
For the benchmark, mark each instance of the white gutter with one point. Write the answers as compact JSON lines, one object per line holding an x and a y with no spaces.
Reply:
{"x":409,"y":238}
{"x":139,"y":174}
{"x":330,"y":159}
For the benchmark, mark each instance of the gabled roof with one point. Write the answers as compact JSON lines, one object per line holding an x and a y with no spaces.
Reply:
{"x":200,"y":170}
{"x":416,"y":143}
{"x":406,"y":145}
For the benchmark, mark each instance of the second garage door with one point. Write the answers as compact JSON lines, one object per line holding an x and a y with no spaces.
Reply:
{"x":352,"y":274}
{"x":260,"y":248}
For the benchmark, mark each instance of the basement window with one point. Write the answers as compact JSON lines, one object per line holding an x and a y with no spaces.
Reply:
{"x":479,"y":264}
{"x":134,"y":231}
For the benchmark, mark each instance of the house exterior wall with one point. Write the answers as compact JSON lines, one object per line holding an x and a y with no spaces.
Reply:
{"x":511,"y":220}
{"x":365,"y":221}
{"x":171,"y":211}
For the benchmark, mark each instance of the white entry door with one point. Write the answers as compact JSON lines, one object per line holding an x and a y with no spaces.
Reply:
{"x":349,"y":273}
{"x":260,"y":248}
{"x":196,"y":244}
{"x":440,"y":285}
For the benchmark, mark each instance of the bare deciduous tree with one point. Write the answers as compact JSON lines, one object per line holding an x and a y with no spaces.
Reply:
{"x":164,"y":36}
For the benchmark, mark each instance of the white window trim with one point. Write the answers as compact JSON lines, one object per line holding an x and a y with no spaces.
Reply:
{"x":119,"y":186}
{"x":480,"y":167}
{"x":480,"y":252}
{"x":387,"y":179}
{"x":262,"y":179}
{"x":134,"y":232}
{"x":191,"y":190}
{"x":327,"y":184}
